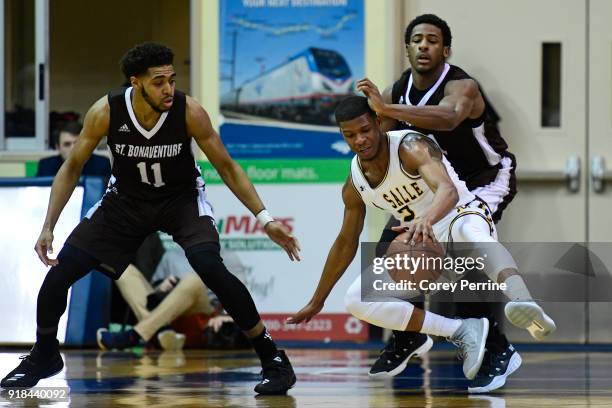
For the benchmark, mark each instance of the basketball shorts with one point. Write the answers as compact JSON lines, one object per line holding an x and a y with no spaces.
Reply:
{"x":114,"y":228}
{"x":442,"y":229}
{"x":500,"y":192}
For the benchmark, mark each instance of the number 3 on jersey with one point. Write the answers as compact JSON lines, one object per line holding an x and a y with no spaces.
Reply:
{"x":157,"y":176}
{"x":409,"y":214}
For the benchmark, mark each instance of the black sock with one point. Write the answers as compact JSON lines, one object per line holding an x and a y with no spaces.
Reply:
{"x":46,"y":343}
{"x":264,"y":346}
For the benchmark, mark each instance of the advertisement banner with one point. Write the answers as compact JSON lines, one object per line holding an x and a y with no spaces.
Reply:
{"x":285,"y":65}
{"x":313,"y":212}
{"x":323,"y":327}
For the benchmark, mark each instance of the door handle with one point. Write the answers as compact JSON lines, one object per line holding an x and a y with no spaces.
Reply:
{"x":572,"y":173}
{"x":599,"y":174}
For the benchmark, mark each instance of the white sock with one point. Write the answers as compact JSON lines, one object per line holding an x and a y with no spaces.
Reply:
{"x":439,"y":325}
{"x":516,"y":289}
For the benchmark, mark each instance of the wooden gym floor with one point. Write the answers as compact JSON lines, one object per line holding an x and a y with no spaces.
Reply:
{"x":326,"y":378}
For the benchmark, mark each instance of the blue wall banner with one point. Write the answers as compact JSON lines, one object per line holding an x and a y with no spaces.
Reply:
{"x":253,"y":140}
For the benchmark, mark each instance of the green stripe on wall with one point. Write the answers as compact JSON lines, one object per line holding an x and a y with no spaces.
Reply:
{"x":270,"y":171}
{"x":31,"y":167}
{"x":287,"y":171}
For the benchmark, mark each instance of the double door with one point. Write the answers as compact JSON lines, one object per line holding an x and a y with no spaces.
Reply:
{"x":547,"y":67}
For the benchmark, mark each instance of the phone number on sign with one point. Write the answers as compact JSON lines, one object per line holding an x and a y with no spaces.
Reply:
{"x":315,"y":325}
{"x":50,"y":393}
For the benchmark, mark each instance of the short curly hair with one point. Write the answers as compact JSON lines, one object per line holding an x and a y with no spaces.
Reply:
{"x":352,"y":107}
{"x":144,"y":56}
{"x":434,"y":20}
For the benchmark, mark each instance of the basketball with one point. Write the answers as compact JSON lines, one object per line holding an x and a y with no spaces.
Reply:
{"x":421,"y":261}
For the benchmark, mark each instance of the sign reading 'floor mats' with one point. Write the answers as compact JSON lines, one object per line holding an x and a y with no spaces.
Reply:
{"x":284,"y":66}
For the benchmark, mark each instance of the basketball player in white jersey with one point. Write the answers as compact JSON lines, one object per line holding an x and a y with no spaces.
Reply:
{"x":443,"y":101}
{"x":409,"y":161}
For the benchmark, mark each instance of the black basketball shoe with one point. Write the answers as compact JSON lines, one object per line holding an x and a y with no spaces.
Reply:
{"x":394,"y":357}
{"x":278,"y":376}
{"x":495,"y":368}
{"x":34,"y":367}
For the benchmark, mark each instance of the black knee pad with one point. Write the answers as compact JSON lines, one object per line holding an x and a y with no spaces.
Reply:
{"x":208,"y":253}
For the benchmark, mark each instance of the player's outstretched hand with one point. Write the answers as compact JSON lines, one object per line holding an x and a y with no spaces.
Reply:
{"x":44,"y":245}
{"x":419,"y":230}
{"x":307,"y":313}
{"x":371,"y":91}
{"x":281,"y":235}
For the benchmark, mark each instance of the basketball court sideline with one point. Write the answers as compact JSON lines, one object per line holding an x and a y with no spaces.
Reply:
{"x":328,"y":377}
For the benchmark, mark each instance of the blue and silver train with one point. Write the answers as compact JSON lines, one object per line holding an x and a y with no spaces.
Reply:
{"x":306,"y":88}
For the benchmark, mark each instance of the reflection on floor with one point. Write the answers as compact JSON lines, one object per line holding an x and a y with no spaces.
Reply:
{"x":326,"y":378}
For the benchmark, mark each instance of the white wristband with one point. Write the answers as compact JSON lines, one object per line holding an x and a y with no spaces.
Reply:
{"x":264,"y":217}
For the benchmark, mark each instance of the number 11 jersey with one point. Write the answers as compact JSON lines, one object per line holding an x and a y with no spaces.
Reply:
{"x":150,"y":164}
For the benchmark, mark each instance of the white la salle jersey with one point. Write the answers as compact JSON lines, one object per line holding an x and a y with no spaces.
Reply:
{"x":401,"y":194}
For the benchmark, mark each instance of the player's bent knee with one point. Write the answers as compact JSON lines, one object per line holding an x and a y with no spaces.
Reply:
{"x":353,"y":296}
{"x":391,"y":315}
{"x":356,"y":307}
{"x":472,"y":228}
{"x":211,"y":249}
{"x":206,"y":261}
{"x":351,"y":302}
{"x":498,"y":260}
{"x":192,"y":278}
{"x":192,"y":283}
{"x":475,"y":229}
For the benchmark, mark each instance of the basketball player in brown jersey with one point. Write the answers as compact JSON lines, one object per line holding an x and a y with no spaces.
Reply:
{"x":155,"y":185}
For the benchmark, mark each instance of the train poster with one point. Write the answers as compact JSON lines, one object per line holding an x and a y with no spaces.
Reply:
{"x":284,"y":65}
